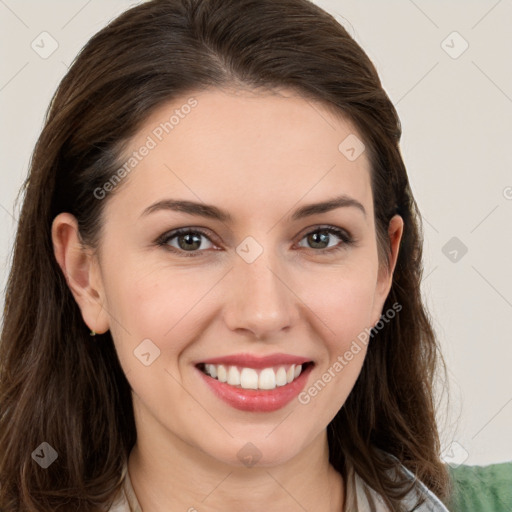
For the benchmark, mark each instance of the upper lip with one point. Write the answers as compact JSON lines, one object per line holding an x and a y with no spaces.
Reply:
{"x":252,"y":361}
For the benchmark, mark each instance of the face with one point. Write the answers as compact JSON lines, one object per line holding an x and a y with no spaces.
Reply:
{"x":268,"y":294}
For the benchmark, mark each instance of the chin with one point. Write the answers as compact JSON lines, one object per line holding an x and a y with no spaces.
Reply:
{"x":258,"y":449}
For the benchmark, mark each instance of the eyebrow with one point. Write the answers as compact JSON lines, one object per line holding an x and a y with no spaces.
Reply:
{"x":212,"y":212}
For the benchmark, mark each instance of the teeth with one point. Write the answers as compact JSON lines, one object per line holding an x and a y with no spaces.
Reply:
{"x":249,"y":378}
{"x":267,"y":379}
{"x":233,"y":376}
{"x":211,"y":369}
{"x":281,"y":377}
{"x":221,"y":373}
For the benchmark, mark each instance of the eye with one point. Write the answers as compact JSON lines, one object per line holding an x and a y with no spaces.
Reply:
{"x":188,"y":241}
{"x":323,"y":235}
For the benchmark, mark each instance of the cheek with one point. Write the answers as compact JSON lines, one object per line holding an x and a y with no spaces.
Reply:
{"x":344,"y":307}
{"x":153,"y":313}
{"x":143,"y":304}
{"x":153,"y":299}
{"x":343,"y":301}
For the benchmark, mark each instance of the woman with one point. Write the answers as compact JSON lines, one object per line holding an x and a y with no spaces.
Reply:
{"x":214,"y":302}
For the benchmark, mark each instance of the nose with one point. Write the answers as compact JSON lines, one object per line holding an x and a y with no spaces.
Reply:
{"x":261,"y":299}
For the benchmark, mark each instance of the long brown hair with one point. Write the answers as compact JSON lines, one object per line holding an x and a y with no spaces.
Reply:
{"x":59,"y":387}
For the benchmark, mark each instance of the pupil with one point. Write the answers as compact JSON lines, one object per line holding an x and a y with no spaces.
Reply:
{"x":323,"y":236}
{"x":190,"y":241}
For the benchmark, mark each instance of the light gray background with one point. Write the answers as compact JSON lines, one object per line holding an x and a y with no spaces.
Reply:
{"x":456,"y":113}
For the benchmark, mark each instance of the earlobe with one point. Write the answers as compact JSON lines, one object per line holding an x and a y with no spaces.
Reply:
{"x":80,"y":268}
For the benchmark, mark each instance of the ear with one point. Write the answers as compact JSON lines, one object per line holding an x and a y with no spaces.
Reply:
{"x":81,"y":270}
{"x":385,"y":276}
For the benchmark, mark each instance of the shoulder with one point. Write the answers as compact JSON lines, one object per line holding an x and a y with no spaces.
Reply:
{"x":363,"y":497}
{"x":432,"y":503}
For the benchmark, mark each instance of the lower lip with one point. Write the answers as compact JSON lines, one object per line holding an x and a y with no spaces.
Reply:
{"x":257,"y":400}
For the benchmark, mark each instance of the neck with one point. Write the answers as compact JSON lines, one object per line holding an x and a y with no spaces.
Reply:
{"x":169,"y":474}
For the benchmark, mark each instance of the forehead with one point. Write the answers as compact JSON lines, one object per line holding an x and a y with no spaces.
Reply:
{"x":257,"y":150}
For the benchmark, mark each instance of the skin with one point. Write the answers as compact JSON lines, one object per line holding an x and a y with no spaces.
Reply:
{"x":259,"y":156}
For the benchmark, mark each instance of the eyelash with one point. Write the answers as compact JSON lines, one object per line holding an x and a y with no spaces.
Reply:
{"x":163,"y":241}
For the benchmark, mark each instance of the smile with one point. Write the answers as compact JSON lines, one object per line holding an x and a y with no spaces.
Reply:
{"x":253,"y":383}
{"x":251,"y":378}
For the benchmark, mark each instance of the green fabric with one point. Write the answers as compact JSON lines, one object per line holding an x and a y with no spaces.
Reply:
{"x":481,"y":488}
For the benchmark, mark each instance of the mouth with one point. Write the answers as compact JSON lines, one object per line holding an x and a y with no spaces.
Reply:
{"x":255,"y":384}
